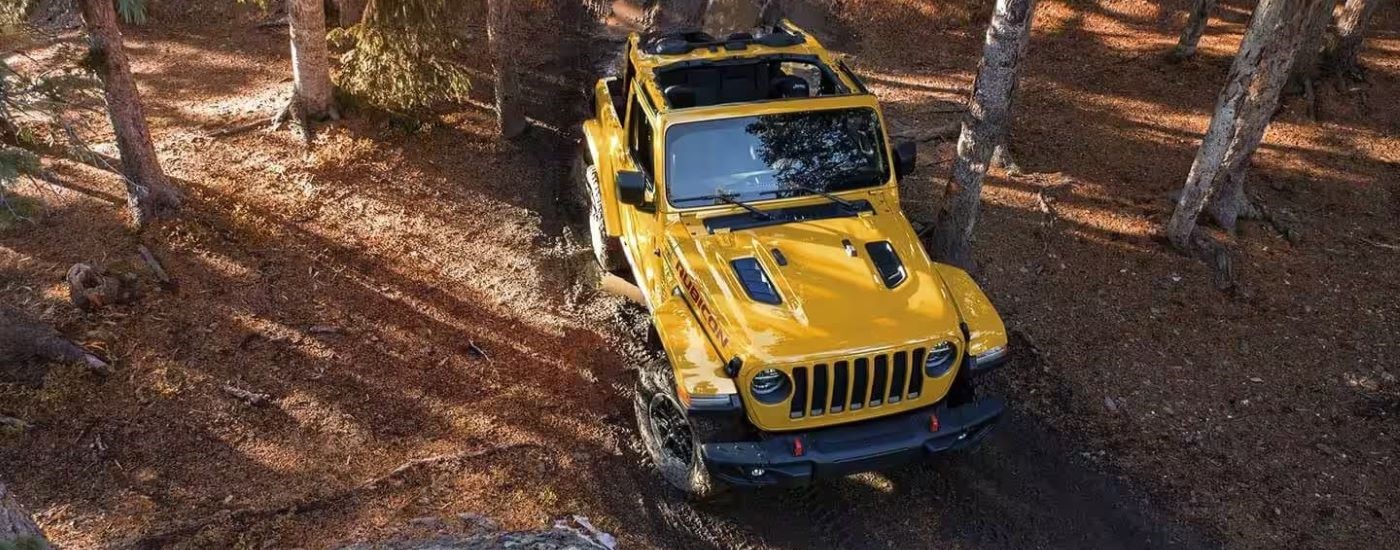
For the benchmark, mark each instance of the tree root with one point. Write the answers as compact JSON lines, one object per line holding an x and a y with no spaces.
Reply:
{"x":1219,"y":257}
{"x":295,"y":113}
{"x":1255,"y":210}
{"x":320,"y":503}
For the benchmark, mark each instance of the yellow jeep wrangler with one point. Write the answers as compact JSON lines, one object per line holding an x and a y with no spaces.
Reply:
{"x":747,"y":185}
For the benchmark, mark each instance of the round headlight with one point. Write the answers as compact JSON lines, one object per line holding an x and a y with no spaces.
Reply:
{"x":940,"y":358}
{"x":771,"y":386}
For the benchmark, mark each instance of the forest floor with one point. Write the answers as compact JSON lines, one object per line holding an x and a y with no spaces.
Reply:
{"x":411,"y":288}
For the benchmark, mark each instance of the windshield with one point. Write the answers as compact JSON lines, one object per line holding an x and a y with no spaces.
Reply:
{"x":774,"y":156}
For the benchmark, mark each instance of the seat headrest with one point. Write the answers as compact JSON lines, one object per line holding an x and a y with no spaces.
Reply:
{"x":789,"y":86}
{"x":680,"y":96}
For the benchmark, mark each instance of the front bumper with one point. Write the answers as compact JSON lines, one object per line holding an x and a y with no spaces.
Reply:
{"x":841,"y":450}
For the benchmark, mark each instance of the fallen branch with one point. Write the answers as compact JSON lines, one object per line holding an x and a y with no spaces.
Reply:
{"x":15,"y":425}
{"x":250,"y":397}
{"x":476,"y":350}
{"x":238,"y":128}
{"x":1378,"y":244}
{"x":154,"y":264}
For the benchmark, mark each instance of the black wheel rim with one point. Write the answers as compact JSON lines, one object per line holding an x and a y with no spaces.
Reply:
{"x":671,"y":429}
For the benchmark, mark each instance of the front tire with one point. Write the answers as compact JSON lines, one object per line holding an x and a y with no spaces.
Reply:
{"x":667,"y":435}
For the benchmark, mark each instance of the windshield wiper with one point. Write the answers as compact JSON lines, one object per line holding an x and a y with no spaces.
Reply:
{"x":729,"y":199}
{"x":848,"y":205}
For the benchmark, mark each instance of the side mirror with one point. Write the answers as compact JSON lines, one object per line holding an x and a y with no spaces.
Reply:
{"x":632,"y":188}
{"x":906,"y":156}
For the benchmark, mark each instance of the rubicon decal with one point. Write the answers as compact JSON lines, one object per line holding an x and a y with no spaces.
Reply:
{"x":697,"y":300}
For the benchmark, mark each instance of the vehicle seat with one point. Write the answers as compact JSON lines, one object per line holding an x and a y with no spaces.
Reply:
{"x":789,"y":86}
{"x":744,"y":83}
{"x":680,"y":96}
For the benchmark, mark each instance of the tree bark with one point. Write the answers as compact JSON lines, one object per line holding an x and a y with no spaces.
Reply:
{"x":984,"y":128}
{"x":15,"y":523}
{"x":313,"y":95}
{"x":510,"y":112}
{"x":675,"y":15}
{"x":771,"y":12}
{"x":1305,"y":61}
{"x":1345,"y":49}
{"x":350,"y":11}
{"x":1242,"y":114}
{"x":1195,"y":27}
{"x":149,"y":194}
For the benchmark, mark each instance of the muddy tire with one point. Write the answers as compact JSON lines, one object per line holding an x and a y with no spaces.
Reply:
{"x":606,"y":250}
{"x":667,"y":435}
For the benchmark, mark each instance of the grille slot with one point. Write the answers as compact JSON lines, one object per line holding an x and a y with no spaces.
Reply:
{"x":916,"y":374}
{"x":853,"y":384}
{"x":799,"y":393}
{"x":840,"y":386}
{"x":861,"y":387}
{"x":900,"y":381}
{"x":882,"y":380}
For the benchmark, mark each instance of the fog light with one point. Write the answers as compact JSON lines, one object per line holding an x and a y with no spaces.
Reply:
{"x":757,"y":472}
{"x":933,"y":423}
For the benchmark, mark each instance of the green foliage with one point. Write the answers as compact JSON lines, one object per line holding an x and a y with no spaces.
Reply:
{"x":132,"y":11}
{"x":401,"y":55}
{"x":24,"y":543}
{"x":37,"y":104}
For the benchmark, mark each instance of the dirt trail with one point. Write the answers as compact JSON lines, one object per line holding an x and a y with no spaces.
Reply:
{"x":424,"y":242}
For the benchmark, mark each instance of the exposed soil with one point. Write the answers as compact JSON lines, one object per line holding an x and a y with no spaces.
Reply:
{"x":412,"y":288}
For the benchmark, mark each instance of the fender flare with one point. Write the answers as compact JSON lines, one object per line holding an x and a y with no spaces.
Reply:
{"x":593,"y":139}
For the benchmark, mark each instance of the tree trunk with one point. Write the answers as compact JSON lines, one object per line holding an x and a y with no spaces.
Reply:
{"x":983,"y":129}
{"x":1195,"y":27}
{"x":15,"y":525}
{"x":350,"y":11}
{"x":148,"y":191}
{"x":1242,"y":114}
{"x":510,"y":113}
{"x":313,"y":97}
{"x":1305,"y":61}
{"x":771,"y":12}
{"x":675,"y":15}
{"x":1345,"y":48}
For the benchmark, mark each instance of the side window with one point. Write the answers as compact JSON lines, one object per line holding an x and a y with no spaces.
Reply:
{"x":640,"y":136}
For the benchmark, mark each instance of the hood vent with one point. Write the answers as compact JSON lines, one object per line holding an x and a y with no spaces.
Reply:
{"x":756,"y":282}
{"x":887,"y":263}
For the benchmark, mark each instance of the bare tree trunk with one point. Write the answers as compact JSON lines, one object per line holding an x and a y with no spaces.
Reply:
{"x":983,"y":129}
{"x":313,"y":95}
{"x":510,"y":112}
{"x":1195,"y":27}
{"x":674,"y":15}
{"x":1305,"y":61}
{"x":16,"y":528}
{"x":1242,"y":114}
{"x":770,"y":12}
{"x":148,"y":191}
{"x":350,"y":11}
{"x":1345,"y":49}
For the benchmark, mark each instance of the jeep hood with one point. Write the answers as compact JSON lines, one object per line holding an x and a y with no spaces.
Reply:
{"x":833,"y":302}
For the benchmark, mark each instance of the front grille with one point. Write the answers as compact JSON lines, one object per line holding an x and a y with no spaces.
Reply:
{"x":851,"y":385}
